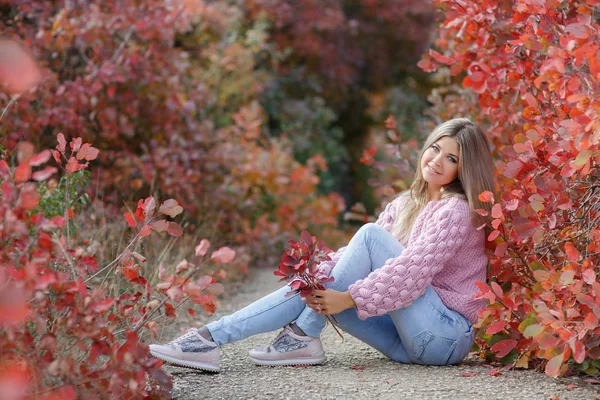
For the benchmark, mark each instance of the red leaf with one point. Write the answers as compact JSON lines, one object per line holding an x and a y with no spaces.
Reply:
{"x":76,"y":144}
{"x":162,"y":378}
{"x":73,"y":166}
{"x":40,"y":158}
{"x":129,"y":219}
{"x":357,"y":367}
{"x":102,"y":305}
{"x":160,"y":225}
{"x":495,"y":328}
{"x":62,"y":143}
{"x":469,"y":374}
{"x":145,"y":231}
{"x":495,"y":372}
{"x":503,"y":347}
{"x":174,"y":229}
{"x":580,"y":31}
{"x":589,"y":276}
{"x":22,"y":173}
{"x":497,"y":211}
{"x":44,"y":174}
{"x":492,"y":236}
{"x":169,"y":310}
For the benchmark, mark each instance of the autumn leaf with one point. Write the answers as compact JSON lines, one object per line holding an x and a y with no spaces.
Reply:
{"x":572,"y":252}
{"x":174,"y":229}
{"x":160,"y":225}
{"x":486,"y":197}
{"x":202,"y":248}
{"x":44,"y":174}
{"x":145,"y":231}
{"x":22,"y":172}
{"x":553,"y":366}
{"x":503,"y":347}
{"x":223,"y":255}
{"x":130,"y":220}
{"x":62,"y":143}
{"x":171,"y":208}
{"x":40,"y":158}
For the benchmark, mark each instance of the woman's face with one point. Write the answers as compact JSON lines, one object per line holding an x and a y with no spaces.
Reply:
{"x":439,"y":164}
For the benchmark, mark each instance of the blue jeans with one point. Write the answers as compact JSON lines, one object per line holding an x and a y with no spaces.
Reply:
{"x":425,"y":332}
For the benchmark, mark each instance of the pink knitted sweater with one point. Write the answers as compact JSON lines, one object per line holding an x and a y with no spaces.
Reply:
{"x":445,"y":250}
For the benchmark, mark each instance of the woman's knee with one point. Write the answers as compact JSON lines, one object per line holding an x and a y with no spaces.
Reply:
{"x":370,"y":229}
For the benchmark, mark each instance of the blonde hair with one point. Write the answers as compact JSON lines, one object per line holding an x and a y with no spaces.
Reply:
{"x":475,"y":175}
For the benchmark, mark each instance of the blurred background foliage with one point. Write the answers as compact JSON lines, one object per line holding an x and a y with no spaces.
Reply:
{"x":252,"y":114}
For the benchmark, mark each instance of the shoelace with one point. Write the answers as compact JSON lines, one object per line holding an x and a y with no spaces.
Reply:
{"x":189,"y":333}
{"x":282,"y":333}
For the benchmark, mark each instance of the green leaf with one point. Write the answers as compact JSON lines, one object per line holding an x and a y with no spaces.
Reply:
{"x":533,"y":330}
{"x":582,"y":158}
{"x":536,"y":266}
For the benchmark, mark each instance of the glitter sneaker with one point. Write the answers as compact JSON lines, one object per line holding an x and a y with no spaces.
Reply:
{"x":289,"y":349}
{"x":190,"y":350}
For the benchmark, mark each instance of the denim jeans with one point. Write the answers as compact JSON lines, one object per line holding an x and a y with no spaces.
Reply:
{"x":425,"y":332}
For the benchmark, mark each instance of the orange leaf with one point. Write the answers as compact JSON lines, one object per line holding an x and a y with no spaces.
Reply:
{"x":486,"y":197}
{"x":572,"y":252}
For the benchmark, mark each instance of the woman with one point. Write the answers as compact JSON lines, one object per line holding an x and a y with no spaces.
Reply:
{"x":404,"y":284}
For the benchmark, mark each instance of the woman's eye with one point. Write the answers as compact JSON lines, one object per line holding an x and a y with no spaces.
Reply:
{"x":452,"y":160}
{"x":435,"y":148}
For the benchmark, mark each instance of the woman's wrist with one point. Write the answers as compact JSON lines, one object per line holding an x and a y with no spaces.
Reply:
{"x":350,"y":301}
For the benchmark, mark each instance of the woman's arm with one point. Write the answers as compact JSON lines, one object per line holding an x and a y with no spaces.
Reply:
{"x":403,"y":279}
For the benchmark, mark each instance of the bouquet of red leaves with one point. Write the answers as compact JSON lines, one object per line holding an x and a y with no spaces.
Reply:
{"x":299,"y":267}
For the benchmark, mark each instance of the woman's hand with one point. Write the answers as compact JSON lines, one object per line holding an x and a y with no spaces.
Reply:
{"x":329,"y":301}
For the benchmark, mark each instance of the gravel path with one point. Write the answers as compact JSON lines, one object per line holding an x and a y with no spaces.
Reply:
{"x":353,"y":371}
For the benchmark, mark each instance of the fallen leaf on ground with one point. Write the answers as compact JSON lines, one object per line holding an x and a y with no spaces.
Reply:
{"x":357,"y":367}
{"x":470,"y":373}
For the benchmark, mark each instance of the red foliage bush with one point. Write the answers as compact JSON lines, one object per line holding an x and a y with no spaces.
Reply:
{"x":70,"y":328}
{"x":530,"y":72}
{"x":169,"y":94}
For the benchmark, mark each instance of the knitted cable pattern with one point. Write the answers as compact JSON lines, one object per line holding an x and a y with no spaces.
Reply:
{"x":441,"y":232}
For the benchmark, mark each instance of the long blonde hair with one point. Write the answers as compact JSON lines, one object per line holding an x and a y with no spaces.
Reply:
{"x":475,"y":175}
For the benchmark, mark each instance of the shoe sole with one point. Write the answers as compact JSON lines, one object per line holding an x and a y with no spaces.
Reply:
{"x":297,"y":361}
{"x":186,"y":363}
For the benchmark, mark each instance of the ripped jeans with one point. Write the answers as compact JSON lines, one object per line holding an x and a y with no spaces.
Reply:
{"x":425,"y":332}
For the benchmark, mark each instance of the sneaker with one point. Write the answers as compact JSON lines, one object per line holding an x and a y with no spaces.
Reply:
{"x":289,"y":349}
{"x":190,"y":350}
